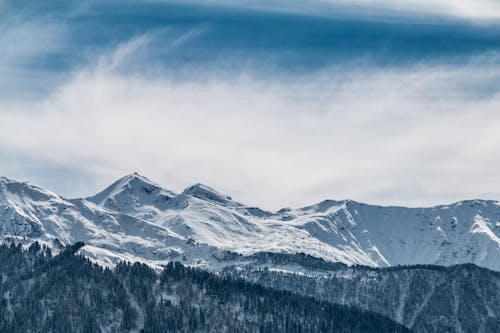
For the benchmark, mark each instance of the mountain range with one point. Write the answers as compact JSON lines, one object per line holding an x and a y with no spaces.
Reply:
{"x":136,"y":219}
{"x":415,"y":266}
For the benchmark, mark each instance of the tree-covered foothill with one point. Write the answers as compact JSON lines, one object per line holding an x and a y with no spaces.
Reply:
{"x":426,"y":298}
{"x":40,"y":292}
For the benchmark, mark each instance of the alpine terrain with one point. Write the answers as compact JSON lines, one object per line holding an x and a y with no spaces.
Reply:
{"x":136,"y":219}
{"x":430,"y":269}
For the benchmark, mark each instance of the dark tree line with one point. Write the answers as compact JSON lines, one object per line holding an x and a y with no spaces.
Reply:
{"x":40,"y":292}
{"x":427,"y":298}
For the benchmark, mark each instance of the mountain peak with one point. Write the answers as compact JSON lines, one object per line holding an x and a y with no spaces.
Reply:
{"x":133,"y":189}
{"x":204,"y":192}
{"x":136,"y":179}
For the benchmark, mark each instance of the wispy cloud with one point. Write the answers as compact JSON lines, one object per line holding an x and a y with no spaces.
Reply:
{"x":480,"y":9}
{"x":122,"y":54}
{"x":413,"y":135}
{"x":475,"y":10}
{"x":116,"y":58}
{"x":26,"y":46}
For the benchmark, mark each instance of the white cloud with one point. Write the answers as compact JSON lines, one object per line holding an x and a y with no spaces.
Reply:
{"x":419,"y":135}
{"x":482,"y":9}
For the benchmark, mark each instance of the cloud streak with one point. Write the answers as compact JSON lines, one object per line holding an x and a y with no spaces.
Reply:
{"x":473,"y":10}
{"x":26,"y":47}
{"x":481,"y":9}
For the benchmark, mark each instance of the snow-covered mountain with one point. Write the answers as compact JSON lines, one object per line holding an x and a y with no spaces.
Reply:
{"x":136,"y":219}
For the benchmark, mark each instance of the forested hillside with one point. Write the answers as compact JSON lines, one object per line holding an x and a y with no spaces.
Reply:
{"x":462,"y":298}
{"x":67,"y":293}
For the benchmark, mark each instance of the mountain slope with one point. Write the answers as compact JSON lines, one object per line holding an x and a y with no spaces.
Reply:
{"x":135,"y":218}
{"x":460,"y":298}
{"x":28,"y":212}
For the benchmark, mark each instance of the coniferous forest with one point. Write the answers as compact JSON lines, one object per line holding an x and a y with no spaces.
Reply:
{"x":42,"y":292}
{"x":425,"y":298}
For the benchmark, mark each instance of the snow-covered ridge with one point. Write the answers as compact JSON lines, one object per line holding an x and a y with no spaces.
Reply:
{"x":137,"y":219}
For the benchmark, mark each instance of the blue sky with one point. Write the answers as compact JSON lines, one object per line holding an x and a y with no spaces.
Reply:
{"x":277,"y":103}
